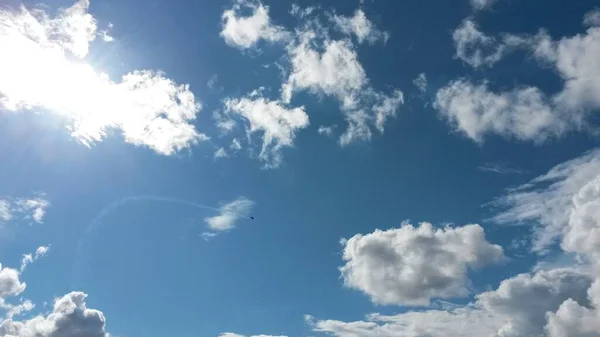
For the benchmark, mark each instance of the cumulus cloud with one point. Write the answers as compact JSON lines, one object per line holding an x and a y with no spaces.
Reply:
{"x":592,"y":18}
{"x":517,"y":308}
{"x":334,"y":70}
{"x":523,"y":114}
{"x":19,"y":209}
{"x":412,"y":265}
{"x":246,"y":31}
{"x":10,"y":284}
{"x":229,"y":213}
{"x":575,"y":60}
{"x":564,"y":205}
{"x":277,"y":122}
{"x":360,"y":26}
{"x":146,"y":107}
{"x":69,"y":318}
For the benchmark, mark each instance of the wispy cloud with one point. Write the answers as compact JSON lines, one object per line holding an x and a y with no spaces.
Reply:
{"x":229,"y":213}
{"x":19,"y":209}
{"x":500,"y":169}
{"x":28,"y":259}
{"x":277,"y":122}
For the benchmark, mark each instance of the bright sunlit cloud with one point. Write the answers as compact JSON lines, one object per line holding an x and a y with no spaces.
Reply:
{"x":38,"y":73}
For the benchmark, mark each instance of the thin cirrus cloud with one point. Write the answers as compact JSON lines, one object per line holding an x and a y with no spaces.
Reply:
{"x":146,"y":107}
{"x":229,"y":214}
{"x":413,"y":265}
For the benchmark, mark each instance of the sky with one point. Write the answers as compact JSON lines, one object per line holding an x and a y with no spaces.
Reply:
{"x":262,"y":168}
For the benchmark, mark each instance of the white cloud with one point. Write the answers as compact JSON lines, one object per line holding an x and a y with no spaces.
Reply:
{"x":245,"y":31}
{"x":35,"y":207}
{"x":548,"y":200}
{"x":229,"y":213}
{"x":592,"y":18}
{"x":5,"y":211}
{"x":517,"y":308}
{"x":302,"y":13}
{"x":575,"y":58}
{"x":10,"y":284}
{"x":359,"y":26}
{"x":69,"y":318}
{"x":326,"y":130}
{"x":334,"y":70}
{"x":525,"y":299}
{"x":235,"y":145}
{"x":18,"y":209}
{"x":386,"y":107}
{"x":146,"y":107}
{"x":500,"y":169}
{"x":523,"y":114}
{"x":412,"y":265}
{"x":421,"y":83}
{"x":481,"y":4}
{"x":277,"y":122}
{"x":221,"y":153}
{"x":475,"y":48}
{"x":575,"y":320}
{"x":28,"y":259}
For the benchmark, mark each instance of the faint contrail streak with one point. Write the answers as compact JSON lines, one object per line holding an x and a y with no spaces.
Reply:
{"x":96,"y":223}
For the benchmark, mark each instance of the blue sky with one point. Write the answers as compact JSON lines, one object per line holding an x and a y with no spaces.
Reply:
{"x":413,"y":168}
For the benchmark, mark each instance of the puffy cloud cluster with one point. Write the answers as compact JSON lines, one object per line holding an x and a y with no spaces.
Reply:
{"x":69,"y":318}
{"x":148,"y":108}
{"x":517,"y":308}
{"x":412,"y":265}
{"x":315,"y":63}
{"x":524,"y":113}
{"x":564,"y":204}
{"x":18,"y":209}
{"x":324,"y":66}
{"x":245,"y":32}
